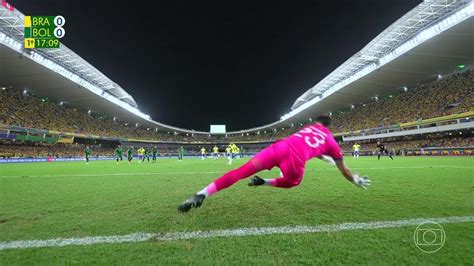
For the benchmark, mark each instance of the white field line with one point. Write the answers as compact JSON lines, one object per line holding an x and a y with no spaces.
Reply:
{"x":172,"y":236}
{"x":222,"y":172}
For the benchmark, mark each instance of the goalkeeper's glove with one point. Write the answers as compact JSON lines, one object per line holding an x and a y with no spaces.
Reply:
{"x":328,"y":159}
{"x":362,"y":182}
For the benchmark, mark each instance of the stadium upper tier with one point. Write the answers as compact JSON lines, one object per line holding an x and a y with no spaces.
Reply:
{"x":452,"y":95}
{"x":432,"y":39}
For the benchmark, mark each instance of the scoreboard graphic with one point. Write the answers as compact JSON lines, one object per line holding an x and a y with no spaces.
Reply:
{"x":44,"y":31}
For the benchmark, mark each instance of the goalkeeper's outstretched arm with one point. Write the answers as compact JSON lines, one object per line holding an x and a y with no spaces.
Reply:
{"x":362,"y":182}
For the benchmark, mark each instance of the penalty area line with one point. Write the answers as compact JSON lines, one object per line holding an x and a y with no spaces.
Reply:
{"x":237,"y":232}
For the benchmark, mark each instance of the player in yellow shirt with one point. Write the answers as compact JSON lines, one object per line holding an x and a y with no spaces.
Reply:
{"x":228,"y":153}
{"x":233,"y":152}
{"x":140,"y":152}
{"x":215,"y":151}
{"x":203,"y":153}
{"x":356,"y":148}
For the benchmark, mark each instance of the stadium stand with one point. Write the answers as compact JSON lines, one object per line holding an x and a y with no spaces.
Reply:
{"x":38,"y":149}
{"x":454,"y":94}
{"x":451,"y":95}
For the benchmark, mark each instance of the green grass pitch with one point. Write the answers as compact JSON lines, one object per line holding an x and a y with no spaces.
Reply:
{"x":71,"y":200}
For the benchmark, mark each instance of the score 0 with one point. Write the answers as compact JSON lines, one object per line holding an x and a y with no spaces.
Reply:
{"x":59,"y":31}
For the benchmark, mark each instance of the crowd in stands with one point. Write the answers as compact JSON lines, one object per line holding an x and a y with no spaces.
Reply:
{"x":19,"y":109}
{"x":38,"y":149}
{"x":453,"y":94}
{"x":396,"y":146}
{"x":400,"y":145}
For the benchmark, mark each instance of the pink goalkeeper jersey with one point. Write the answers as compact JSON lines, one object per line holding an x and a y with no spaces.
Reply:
{"x":313,"y":141}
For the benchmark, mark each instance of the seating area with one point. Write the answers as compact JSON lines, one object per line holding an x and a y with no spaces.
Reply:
{"x":450,"y":95}
{"x":37,"y":149}
{"x":454,"y":94}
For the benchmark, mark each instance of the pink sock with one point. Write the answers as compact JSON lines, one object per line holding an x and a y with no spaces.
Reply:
{"x":271,"y":182}
{"x":209,"y":190}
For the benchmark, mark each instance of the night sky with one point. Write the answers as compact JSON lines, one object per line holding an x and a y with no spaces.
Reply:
{"x":194,"y":63}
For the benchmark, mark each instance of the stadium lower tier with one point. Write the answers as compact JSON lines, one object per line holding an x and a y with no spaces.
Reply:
{"x":451,"y":95}
{"x":449,"y":143}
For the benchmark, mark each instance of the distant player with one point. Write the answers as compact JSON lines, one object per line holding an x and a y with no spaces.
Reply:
{"x":88,"y":153}
{"x":383,"y":150}
{"x":180,"y":153}
{"x":146,"y":155}
{"x":119,"y":153}
{"x":141,"y":152}
{"x":290,"y":155}
{"x":215,"y":152}
{"x":356,"y":148}
{"x":154,"y":151}
{"x":233,"y":150}
{"x":228,"y":153}
{"x":236,"y":152}
{"x":130,"y":154}
{"x":203,"y":153}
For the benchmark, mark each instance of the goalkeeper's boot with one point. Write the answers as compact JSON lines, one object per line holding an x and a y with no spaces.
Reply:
{"x":193,"y":202}
{"x":256,"y":181}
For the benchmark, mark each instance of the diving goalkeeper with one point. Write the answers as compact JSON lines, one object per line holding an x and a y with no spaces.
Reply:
{"x":290,"y":155}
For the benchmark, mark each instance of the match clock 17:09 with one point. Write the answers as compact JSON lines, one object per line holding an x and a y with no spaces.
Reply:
{"x":41,"y":43}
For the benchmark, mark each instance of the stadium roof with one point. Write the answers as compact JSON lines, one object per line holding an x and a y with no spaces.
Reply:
{"x":431,"y":39}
